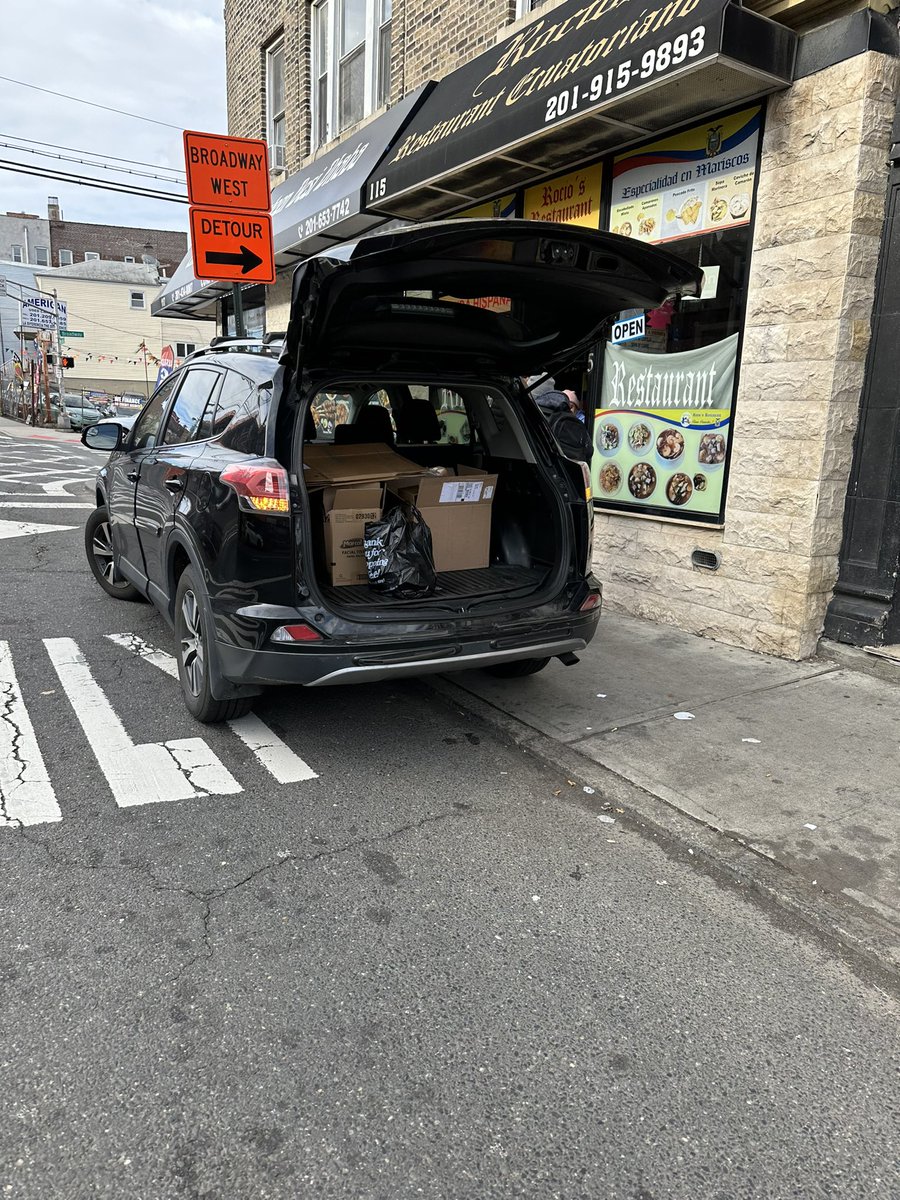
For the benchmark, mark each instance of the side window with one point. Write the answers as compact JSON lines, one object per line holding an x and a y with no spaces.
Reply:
{"x":190,"y":404}
{"x":240,"y":415}
{"x":146,"y":427}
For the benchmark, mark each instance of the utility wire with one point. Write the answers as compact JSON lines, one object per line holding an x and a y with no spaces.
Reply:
{"x":134,"y":162}
{"x":86,"y":162}
{"x":86,"y":181}
{"x":78,"y":100}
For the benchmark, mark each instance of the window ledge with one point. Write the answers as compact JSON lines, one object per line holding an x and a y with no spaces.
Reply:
{"x":514,"y":27}
{"x":348,"y":133}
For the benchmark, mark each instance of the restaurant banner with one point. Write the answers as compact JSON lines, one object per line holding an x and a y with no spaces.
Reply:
{"x":662,"y":431}
{"x":699,"y":181}
{"x":572,"y":199}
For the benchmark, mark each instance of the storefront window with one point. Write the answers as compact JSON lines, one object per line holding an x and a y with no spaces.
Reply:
{"x":663,"y":390}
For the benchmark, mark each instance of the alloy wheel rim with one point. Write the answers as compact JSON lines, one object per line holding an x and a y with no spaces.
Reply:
{"x":101,"y":547}
{"x":192,"y":642}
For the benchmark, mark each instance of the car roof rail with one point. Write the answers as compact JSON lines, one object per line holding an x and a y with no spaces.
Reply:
{"x":225,"y":345}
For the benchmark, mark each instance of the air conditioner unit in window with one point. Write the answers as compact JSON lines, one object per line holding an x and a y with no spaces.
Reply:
{"x":276,"y":160}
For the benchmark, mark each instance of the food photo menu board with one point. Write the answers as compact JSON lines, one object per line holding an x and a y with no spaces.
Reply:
{"x":695,"y":182}
{"x":662,"y":431}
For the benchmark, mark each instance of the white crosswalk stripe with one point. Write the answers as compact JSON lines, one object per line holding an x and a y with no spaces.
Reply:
{"x":26,"y":793}
{"x":277,"y":757}
{"x":148,"y":774}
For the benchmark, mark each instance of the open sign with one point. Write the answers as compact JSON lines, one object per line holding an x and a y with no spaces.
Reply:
{"x":628,"y":329}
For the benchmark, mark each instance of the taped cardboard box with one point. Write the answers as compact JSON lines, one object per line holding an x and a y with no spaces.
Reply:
{"x":346,"y":511}
{"x":363,"y":463}
{"x":457,"y":509}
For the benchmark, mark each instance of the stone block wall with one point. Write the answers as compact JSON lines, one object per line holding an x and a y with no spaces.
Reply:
{"x":820,"y":209}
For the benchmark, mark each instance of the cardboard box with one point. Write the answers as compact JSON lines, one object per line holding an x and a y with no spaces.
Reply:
{"x":346,"y":511}
{"x":457,"y":509}
{"x":354,"y":464}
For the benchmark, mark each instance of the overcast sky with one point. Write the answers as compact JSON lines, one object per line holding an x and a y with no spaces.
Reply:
{"x":160,"y":58}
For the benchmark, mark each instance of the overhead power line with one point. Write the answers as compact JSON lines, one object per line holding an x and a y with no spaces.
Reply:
{"x":86,"y":181}
{"x":134,"y":162}
{"x":87,"y":162}
{"x":92,"y":103}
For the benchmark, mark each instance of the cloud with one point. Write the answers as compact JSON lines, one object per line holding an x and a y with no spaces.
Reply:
{"x":163,"y":59}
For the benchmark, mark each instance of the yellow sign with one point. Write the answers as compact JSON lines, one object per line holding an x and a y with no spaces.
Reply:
{"x":503,"y":206}
{"x":699,"y":181}
{"x":572,"y":199}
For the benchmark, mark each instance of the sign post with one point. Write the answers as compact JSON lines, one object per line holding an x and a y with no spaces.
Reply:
{"x":231,"y":225}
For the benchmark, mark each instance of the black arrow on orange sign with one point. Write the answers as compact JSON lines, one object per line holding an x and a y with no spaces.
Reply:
{"x":246,"y":260}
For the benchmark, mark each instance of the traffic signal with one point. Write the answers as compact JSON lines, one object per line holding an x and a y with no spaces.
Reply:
{"x":68,"y":361}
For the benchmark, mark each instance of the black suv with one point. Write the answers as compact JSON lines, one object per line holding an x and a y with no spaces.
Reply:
{"x":207,"y":504}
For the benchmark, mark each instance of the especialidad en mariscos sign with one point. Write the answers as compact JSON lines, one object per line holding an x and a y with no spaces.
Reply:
{"x":662,"y":431}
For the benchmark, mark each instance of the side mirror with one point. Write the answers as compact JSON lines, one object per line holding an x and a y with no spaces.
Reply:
{"x":106,"y":436}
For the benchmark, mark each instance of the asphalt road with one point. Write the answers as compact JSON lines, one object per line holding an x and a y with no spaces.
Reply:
{"x":420,"y":973}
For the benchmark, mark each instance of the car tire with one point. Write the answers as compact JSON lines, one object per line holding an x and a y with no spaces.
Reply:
{"x":518,"y":669}
{"x":102,"y":558}
{"x":194,"y":645}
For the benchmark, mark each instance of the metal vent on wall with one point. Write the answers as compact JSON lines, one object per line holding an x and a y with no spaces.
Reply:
{"x":706,"y":560}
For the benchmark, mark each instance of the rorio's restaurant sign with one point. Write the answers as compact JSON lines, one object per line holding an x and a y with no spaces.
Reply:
{"x":578,"y":59}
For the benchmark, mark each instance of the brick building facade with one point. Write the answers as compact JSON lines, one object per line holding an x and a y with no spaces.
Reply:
{"x":762,"y":574}
{"x":118,"y":243}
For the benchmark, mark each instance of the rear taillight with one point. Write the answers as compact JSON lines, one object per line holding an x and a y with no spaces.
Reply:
{"x":586,"y":472}
{"x":296,"y":633}
{"x":261,"y":485}
{"x":591,"y":602}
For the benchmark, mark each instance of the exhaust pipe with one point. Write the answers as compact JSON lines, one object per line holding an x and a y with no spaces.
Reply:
{"x":569,"y":659}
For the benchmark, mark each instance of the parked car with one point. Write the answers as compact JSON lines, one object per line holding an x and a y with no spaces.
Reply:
{"x":81,"y":414}
{"x":208,"y":505}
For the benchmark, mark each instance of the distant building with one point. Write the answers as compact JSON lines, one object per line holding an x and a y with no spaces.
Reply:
{"x":81,"y":241}
{"x":109,"y":302}
{"x":25,"y":238}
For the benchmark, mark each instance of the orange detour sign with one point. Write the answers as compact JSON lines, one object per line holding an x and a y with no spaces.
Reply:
{"x":231,"y":245}
{"x":227,"y":172}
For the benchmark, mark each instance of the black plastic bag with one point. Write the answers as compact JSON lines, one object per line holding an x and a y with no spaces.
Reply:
{"x":399,"y":558}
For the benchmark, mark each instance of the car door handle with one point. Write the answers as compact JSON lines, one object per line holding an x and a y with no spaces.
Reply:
{"x":174,"y":483}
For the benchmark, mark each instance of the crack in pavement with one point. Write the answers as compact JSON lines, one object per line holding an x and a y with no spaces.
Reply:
{"x":208,"y":898}
{"x":8,"y":700}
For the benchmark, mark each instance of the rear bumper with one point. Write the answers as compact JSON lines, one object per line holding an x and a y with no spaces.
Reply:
{"x":323,"y":666}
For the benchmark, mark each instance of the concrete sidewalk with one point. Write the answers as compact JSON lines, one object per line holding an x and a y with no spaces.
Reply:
{"x":40,"y":433}
{"x":798,"y":761}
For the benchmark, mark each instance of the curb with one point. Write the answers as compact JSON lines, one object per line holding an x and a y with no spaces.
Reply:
{"x":866,"y":944}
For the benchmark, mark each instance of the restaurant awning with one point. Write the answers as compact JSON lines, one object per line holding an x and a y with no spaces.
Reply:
{"x":587,"y":78}
{"x":326,"y":201}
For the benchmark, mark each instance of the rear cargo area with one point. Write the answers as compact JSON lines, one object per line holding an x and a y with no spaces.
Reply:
{"x":461,"y":456}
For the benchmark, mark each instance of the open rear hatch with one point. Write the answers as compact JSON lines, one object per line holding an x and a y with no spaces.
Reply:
{"x":389,"y":298}
{"x":405,"y":304}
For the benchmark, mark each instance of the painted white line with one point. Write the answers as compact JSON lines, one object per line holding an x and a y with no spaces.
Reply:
{"x":137,"y":645}
{"x":147,"y":774}
{"x":13,"y":529}
{"x":274,"y":754}
{"x":44,"y":504}
{"x":26,"y":793}
{"x":277,"y":757}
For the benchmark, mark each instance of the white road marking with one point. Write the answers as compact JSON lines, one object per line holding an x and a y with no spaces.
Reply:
{"x":274,"y":754}
{"x":44,"y":504}
{"x":149,"y":774}
{"x":26,"y":793}
{"x":277,"y":757}
{"x":13,"y":529}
